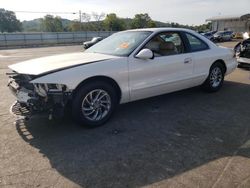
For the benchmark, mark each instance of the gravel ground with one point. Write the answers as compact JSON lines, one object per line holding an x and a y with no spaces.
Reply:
{"x":183,"y":139}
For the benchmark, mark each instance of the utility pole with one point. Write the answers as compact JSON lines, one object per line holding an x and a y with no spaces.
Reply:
{"x":80,"y":16}
{"x":80,"y":19}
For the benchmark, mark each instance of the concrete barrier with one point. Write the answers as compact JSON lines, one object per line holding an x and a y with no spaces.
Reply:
{"x":11,"y":40}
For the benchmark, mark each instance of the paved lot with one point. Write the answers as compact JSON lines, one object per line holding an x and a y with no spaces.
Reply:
{"x":184,"y":139}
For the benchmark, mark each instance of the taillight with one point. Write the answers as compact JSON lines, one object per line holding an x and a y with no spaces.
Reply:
{"x":234,"y":55}
{"x":233,"y":52}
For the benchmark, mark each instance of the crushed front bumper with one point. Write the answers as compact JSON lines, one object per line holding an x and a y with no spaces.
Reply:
{"x":30,"y":102}
{"x":23,"y":95}
{"x":20,"y":110}
{"x":25,"y":99}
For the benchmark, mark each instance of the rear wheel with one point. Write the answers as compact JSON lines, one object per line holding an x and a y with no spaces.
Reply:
{"x":215,"y":78}
{"x":94,"y":104}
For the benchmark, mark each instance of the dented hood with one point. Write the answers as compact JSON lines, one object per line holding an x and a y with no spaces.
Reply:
{"x":57,"y":62}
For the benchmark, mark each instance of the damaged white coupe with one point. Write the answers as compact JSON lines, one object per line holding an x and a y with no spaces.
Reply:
{"x":124,"y":67}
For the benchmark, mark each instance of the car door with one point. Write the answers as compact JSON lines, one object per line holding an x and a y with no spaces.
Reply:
{"x":171,"y":68}
{"x":202,"y":57}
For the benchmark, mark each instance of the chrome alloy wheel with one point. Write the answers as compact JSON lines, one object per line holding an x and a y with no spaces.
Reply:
{"x":216,"y":77}
{"x":96,"y":105}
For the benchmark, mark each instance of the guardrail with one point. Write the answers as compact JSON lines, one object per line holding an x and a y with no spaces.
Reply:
{"x":8,"y":40}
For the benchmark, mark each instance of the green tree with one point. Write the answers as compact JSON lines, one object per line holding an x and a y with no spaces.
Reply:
{"x":75,"y":26}
{"x":9,"y":22}
{"x":204,"y":27}
{"x":58,"y":24}
{"x":52,"y":24}
{"x":113,"y":23}
{"x":151,"y":24}
{"x":98,"y":20}
{"x":142,"y":21}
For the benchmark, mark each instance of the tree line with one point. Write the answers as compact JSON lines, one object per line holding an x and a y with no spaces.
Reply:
{"x":9,"y":22}
{"x":101,"y":22}
{"x":88,"y":22}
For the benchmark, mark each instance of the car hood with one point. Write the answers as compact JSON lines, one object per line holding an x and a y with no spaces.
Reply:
{"x":88,"y":42}
{"x":217,"y":35}
{"x":57,"y":62}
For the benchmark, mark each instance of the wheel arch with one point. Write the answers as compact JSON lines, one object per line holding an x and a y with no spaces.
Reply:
{"x":222,"y":62}
{"x":106,"y":79}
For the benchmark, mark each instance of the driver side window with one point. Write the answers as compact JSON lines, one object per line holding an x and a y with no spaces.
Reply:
{"x":165,"y":44}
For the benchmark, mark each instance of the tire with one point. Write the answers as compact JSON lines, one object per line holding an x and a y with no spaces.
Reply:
{"x":215,"y":78}
{"x":90,"y":112}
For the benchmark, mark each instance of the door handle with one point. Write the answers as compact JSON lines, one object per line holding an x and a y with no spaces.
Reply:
{"x":188,"y":60}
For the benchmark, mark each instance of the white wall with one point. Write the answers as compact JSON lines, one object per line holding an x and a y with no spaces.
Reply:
{"x":233,"y":25}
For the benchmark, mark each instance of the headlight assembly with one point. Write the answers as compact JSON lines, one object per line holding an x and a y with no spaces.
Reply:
{"x":44,"y":89}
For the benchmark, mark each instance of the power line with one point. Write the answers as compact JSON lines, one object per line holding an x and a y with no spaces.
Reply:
{"x":37,"y":12}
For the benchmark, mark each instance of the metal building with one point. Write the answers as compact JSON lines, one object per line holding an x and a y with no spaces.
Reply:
{"x":240,"y":23}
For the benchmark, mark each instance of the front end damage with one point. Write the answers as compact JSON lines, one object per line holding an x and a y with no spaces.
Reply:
{"x":38,"y":97}
{"x":242,"y":51}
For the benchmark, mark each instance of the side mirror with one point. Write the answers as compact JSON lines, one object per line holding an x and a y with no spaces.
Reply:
{"x":145,"y":54}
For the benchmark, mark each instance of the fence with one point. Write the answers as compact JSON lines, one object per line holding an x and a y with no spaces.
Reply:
{"x":38,"y":39}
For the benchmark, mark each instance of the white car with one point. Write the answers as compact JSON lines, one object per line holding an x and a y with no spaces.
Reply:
{"x":124,"y":67}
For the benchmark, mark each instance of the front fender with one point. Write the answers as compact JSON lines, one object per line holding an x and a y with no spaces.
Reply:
{"x":116,"y":69}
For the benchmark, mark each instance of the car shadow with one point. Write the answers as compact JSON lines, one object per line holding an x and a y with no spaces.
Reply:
{"x":149,"y":140}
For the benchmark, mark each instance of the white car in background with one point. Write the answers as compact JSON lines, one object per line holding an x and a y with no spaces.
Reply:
{"x":127,"y":66}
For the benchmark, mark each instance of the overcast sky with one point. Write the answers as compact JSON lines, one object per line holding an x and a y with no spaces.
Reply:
{"x":181,"y":11}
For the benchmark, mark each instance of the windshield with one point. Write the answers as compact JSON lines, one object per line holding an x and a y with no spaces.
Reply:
{"x":120,"y":44}
{"x":94,"y":39}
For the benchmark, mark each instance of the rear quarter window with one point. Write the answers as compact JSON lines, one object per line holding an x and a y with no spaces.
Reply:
{"x":195,"y":43}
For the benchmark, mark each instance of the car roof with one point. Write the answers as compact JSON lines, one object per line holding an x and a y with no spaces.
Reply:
{"x":165,"y":29}
{"x":162,"y":29}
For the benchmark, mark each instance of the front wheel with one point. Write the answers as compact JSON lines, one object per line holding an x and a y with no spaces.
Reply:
{"x":94,"y":104}
{"x":215,"y":78}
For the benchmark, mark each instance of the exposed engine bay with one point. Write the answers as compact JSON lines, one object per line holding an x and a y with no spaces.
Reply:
{"x":39,"y":97}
